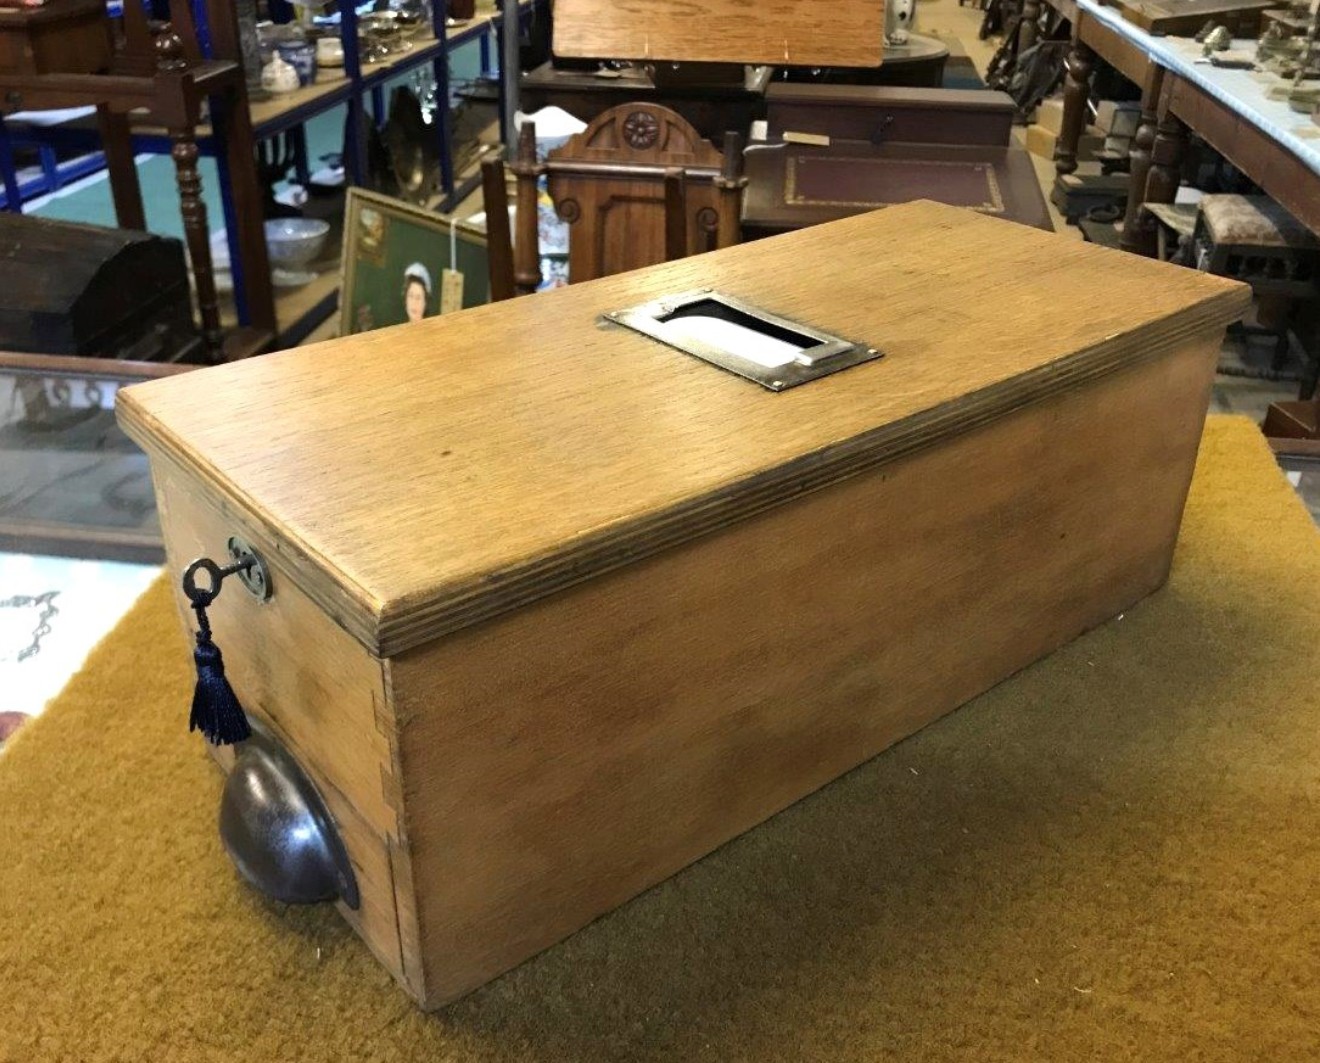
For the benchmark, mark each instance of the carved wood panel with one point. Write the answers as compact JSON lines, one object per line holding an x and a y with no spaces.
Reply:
{"x":607,"y":182}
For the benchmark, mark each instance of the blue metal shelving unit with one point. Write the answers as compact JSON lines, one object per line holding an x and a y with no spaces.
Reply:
{"x":52,"y":175}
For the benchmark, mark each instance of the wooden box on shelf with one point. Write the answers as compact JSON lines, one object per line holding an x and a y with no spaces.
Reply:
{"x":558,"y":607}
{"x":59,"y":37}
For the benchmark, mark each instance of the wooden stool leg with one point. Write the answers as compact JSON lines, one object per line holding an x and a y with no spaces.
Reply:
{"x":1076,"y":93}
{"x":197,"y":233}
{"x":1139,"y":235}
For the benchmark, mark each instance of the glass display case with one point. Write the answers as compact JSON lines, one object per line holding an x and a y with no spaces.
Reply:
{"x":71,"y":483}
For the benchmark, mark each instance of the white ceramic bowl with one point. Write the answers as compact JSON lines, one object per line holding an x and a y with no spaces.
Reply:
{"x":294,"y":242}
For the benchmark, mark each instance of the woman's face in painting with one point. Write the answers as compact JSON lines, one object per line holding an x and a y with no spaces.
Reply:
{"x":414,"y":300}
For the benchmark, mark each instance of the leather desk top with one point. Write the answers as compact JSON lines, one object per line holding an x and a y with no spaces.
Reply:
{"x":792,"y":186}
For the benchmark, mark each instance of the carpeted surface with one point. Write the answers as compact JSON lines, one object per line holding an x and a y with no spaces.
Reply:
{"x":1111,"y":856}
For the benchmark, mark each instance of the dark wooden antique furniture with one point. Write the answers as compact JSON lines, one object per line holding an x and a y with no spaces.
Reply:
{"x":618,"y":184}
{"x":71,"y":483}
{"x":1185,"y":106}
{"x":1254,"y":240}
{"x":158,"y":71}
{"x":669,"y":550}
{"x":1173,"y":106}
{"x":85,"y":290}
{"x":886,"y":146}
{"x":59,"y":37}
{"x":711,"y":104}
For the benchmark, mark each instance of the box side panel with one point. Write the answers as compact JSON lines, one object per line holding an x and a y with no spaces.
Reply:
{"x":323,"y":696}
{"x":559,"y":760}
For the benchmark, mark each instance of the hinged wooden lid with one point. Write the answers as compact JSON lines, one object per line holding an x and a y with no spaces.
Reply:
{"x":779,"y":32}
{"x":426,"y":477}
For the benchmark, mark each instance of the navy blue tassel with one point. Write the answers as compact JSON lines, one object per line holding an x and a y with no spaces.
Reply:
{"x":215,"y":708}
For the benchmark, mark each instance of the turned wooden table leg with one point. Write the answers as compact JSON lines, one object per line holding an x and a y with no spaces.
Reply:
{"x":1029,"y":27}
{"x":1166,"y":157}
{"x":197,"y":233}
{"x":1139,"y":234}
{"x":1076,"y":93}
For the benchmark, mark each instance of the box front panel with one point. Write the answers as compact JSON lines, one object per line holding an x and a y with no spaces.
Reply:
{"x":323,"y":697}
{"x":560,"y":759}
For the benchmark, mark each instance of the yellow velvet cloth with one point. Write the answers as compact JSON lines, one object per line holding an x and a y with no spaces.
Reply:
{"x":1113,"y":855}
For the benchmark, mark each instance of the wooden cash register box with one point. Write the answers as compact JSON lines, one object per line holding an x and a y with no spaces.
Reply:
{"x":557,"y":605}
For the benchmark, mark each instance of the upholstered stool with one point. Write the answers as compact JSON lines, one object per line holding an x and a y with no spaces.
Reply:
{"x":1174,"y":225}
{"x":1253,"y":239}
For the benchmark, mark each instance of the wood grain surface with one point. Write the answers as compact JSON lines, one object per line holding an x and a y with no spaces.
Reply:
{"x":325,"y":699}
{"x":782,"y":32}
{"x":608,"y":183}
{"x":561,"y":759}
{"x":422,"y":478}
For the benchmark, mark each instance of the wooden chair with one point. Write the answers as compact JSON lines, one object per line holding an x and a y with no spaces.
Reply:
{"x":638,"y":186}
{"x":159,"y":69}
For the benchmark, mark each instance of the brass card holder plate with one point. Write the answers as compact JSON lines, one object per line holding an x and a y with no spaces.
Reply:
{"x":743,"y":339}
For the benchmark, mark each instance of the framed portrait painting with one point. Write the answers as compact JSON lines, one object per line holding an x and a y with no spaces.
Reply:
{"x":397,"y":258}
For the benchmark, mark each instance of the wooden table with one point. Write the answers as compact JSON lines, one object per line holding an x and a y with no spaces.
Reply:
{"x":1227,"y":109}
{"x":1094,"y":37}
